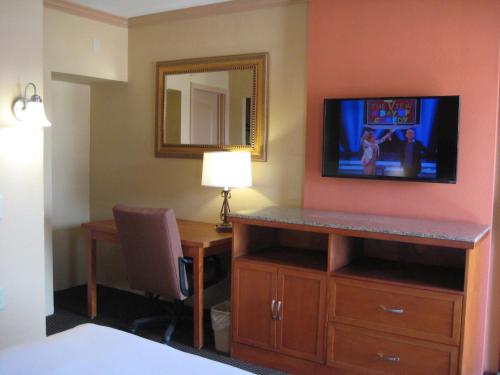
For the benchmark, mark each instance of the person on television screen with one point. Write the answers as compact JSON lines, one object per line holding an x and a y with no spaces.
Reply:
{"x":411,"y":155}
{"x":371,"y":150}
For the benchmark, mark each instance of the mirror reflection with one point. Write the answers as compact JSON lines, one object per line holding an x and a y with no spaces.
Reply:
{"x":212,"y":104}
{"x":210,"y":108}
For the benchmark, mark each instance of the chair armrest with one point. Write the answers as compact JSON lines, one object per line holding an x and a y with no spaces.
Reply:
{"x":183,"y":276}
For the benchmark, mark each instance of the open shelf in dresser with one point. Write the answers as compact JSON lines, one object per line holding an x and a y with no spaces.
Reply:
{"x":410,"y":274}
{"x":413,"y":265}
{"x":315,"y":260}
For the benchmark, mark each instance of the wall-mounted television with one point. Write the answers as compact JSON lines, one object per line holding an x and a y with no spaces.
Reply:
{"x":392,"y":138}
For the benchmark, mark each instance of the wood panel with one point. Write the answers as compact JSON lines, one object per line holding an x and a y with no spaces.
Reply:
{"x":306,"y":240}
{"x":290,"y":257}
{"x":198,"y":269}
{"x":91,"y":277}
{"x":249,"y":239}
{"x":240,"y":239}
{"x":473,"y":328}
{"x":405,"y":311}
{"x":341,"y":251}
{"x":301,"y":317}
{"x":414,"y":253}
{"x":283,"y":362}
{"x":368,"y":352}
{"x":254,"y":289}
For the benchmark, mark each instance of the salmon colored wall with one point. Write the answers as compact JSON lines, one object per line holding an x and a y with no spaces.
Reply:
{"x":408,"y":47}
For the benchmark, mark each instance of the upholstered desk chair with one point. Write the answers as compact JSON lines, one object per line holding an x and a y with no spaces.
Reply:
{"x":152,"y":250}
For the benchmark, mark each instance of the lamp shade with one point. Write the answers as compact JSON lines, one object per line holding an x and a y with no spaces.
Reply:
{"x":227,"y":169}
{"x":30,"y":110}
{"x":35,"y":114}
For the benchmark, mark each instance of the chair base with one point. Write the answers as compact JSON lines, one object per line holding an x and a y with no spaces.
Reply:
{"x":159,"y":319}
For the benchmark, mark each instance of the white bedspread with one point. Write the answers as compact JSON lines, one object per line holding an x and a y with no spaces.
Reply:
{"x":92,"y":349}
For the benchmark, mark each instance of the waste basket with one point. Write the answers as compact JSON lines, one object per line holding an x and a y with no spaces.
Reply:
{"x":221,"y":324}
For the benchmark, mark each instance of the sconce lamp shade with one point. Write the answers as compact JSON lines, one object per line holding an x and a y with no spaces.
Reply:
{"x":30,"y":110}
{"x":227,"y":169}
{"x":35,"y":114}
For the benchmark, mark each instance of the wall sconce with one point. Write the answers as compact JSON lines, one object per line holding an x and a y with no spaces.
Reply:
{"x":30,"y":109}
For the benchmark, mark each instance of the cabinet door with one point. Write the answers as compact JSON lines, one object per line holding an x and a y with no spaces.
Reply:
{"x":301,"y":319}
{"x":254,"y":289}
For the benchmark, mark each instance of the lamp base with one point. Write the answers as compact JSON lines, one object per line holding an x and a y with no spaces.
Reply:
{"x":224,"y":228}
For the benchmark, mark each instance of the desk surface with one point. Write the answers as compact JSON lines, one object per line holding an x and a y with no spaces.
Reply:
{"x":193,"y":233}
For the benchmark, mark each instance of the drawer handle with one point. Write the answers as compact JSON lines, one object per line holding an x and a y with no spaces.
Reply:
{"x":391,"y":309}
{"x":273,"y":311}
{"x":388,"y":358}
{"x":279,"y":310}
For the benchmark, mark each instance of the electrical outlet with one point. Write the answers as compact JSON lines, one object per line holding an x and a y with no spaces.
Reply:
{"x":2,"y":299}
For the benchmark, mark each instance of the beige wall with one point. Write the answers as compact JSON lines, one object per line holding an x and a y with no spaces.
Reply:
{"x":123,"y":166}
{"x":70,"y":49}
{"x":70,"y":66}
{"x":70,"y":180}
{"x":21,"y":177}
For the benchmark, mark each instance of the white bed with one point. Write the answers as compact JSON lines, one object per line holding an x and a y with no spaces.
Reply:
{"x":92,"y":349}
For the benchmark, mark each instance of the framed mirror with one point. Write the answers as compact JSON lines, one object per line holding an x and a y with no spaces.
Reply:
{"x":210,"y":104}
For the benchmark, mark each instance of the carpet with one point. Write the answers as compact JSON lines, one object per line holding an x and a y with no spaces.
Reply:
{"x":117,"y":309}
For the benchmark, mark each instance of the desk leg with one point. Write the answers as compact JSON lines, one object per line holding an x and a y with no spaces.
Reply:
{"x":91,"y":277}
{"x":198,"y":298}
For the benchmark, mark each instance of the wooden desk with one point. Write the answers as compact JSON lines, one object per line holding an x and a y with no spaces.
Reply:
{"x":198,"y":241}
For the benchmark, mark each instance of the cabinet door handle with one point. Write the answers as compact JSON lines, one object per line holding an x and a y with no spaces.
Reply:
{"x":273,"y":311}
{"x":388,"y":358}
{"x":393,"y":310}
{"x":279,"y":310}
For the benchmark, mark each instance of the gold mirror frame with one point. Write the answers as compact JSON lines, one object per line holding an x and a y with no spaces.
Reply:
{"x":258,"y":133}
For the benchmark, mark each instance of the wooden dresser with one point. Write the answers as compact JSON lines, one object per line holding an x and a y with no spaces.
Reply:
{"x":336,"y":293}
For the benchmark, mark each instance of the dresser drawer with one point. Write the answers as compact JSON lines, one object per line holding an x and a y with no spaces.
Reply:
{"x":368,"y":352}
{"x":405,"y":311}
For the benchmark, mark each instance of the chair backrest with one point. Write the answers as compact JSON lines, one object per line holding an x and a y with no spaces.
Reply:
{"x":151,"y":246}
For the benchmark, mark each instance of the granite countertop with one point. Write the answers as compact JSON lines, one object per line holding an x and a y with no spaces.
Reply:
{"x":470,"y":233}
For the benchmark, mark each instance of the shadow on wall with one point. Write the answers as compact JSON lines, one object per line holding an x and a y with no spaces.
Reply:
{"x":69,"y":257}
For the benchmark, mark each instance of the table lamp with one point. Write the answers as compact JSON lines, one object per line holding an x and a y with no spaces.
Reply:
{"x":226,"y":170}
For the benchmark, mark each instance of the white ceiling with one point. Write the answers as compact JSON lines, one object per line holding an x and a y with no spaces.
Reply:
{"x":133,"y":8}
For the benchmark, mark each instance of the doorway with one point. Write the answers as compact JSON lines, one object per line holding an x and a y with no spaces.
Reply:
{"x":209,"y":115}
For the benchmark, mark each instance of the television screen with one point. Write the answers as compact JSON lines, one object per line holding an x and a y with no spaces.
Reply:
{"x":398,"y":138}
